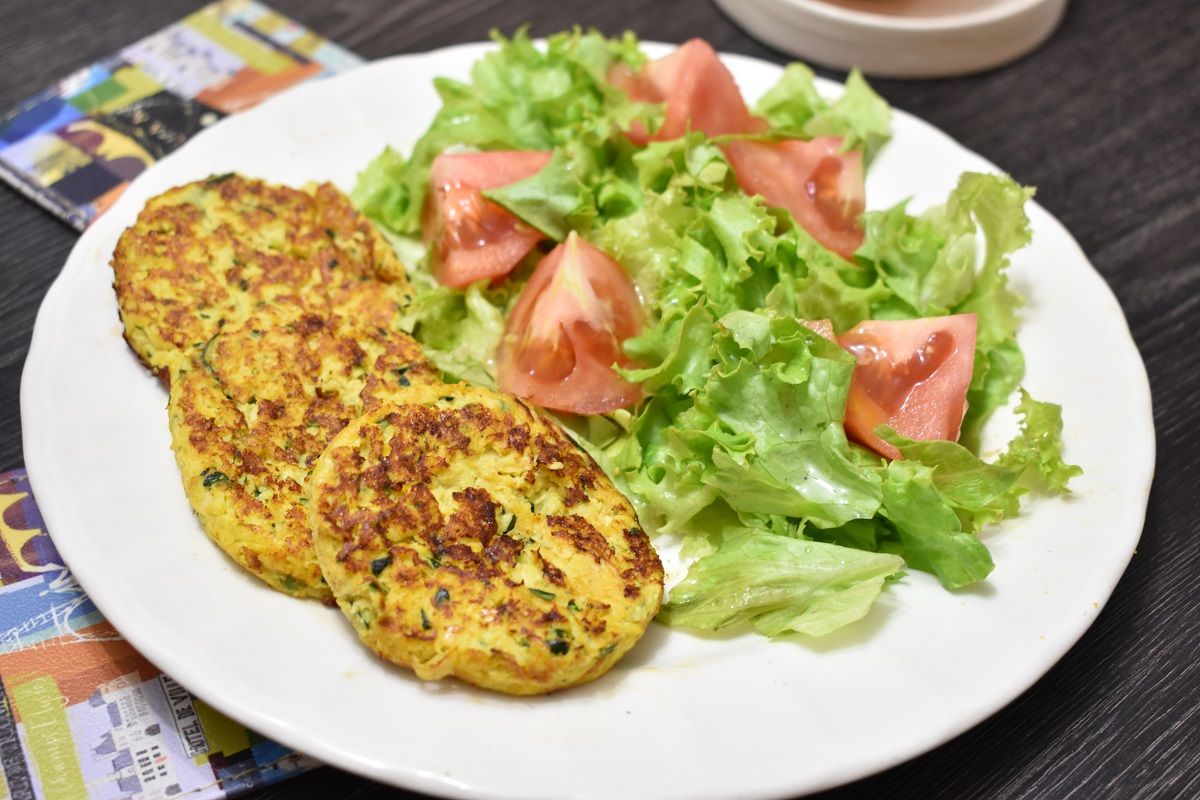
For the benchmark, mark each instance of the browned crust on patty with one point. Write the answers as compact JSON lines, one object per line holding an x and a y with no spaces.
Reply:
{"x":258,"y":408}
{"x":448,"y":542}
{"x":272,"y":314}
{"x":211,"y":253}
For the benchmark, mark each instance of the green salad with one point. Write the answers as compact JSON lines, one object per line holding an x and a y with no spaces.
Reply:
{"x":737,"y":446}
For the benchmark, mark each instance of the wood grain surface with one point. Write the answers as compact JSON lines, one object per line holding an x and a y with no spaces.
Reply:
{"x":1104,"y":119}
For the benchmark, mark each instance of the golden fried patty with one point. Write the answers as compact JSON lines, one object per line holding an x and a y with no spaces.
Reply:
{"x":212,"y":253}
{"x":463,"y":534}
{"x":250,"y":415}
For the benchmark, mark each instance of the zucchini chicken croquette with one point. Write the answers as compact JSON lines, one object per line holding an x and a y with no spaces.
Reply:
{"x":251,"y":415}
{"x":272,"y":314}
{"x":463,"y":534}
{"x":214,"y":252}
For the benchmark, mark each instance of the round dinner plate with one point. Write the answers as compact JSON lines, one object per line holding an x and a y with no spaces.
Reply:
{"x":684,"y":715}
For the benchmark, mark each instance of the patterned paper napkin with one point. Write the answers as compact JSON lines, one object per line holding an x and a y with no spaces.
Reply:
{"x":82,"y":714}
{"x":74,"y":147}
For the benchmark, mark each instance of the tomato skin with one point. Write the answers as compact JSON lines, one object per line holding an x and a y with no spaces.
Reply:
{"x":566,"y":331}
{"x":699,"y":91}
{"x":471,"y":237}
{"x":912,"y":375}
{"x":823,"y":327}
{"x":634,"y":83}
{"x":822,"y":187}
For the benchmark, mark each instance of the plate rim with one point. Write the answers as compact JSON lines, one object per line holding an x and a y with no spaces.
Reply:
{"x":43,"y":482}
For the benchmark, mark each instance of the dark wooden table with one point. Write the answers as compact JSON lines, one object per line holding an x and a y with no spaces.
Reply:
{"x":1104,"y":119}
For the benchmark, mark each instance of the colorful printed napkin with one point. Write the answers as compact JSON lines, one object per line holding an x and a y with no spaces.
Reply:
{"x":82,"y":714}
{"x":75,"y":147}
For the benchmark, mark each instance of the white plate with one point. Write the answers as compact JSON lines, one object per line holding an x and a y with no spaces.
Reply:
{"x":683,"y":716}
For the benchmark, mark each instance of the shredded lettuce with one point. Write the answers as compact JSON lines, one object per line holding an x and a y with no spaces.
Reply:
{"x":460,"y":329}
{"x":739,"y":447}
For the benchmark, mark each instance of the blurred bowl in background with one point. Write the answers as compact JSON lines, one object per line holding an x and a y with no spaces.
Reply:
{"x":901,"y":38}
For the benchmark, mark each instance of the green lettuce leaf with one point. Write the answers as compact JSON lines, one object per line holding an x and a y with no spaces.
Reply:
{"x":981,"y":493}
{"x":739,"y":447}
{"x":929,"y":534}
{"x":781,"y":388}
{"x":381,"y":191}
{"x":747,"y":415}
{"x":1036,"y":452}
{"x":555,"y":201}
{"x":587,"y":178}
{"x":931,"y":266}
{"x":461,"y":329}
{"x":794,"y":108}
{"x":779,"y":585}
{"x":520,"y":97}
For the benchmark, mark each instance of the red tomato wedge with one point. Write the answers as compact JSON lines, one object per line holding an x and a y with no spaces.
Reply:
{"x":912,"y":375}
{"x":822,"y":326}
{"x":822,"y":187}
{"x":473,"y":237}
{"x":634,"y":83}
{"x":565,"y":333}
{"x":698,"y":89}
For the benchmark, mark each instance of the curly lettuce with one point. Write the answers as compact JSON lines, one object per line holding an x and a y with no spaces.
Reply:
{"x":739,"y":447}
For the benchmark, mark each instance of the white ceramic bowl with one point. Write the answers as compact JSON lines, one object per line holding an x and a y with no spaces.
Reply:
{"x":901,"y":38}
